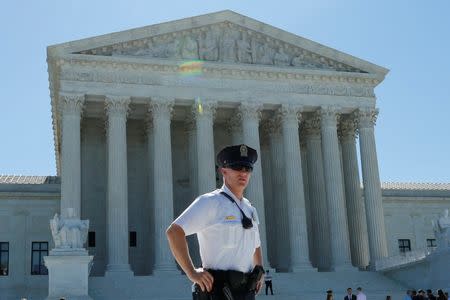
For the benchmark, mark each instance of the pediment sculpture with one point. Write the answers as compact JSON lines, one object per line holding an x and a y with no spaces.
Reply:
{"x":223,"y":42}
{"x":69,"y":233}
{"x":441,"y":228}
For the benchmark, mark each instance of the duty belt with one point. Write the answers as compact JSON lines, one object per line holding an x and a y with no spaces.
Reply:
{"x":235,"y":280}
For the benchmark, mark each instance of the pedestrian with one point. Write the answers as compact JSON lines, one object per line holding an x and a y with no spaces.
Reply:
{"x":330,"y":294}
{"x":268,"y":282}
{"x":408,"y":295}
{"x":360,"y":295}
{"x":441,"y":295}
{"x":226,"y":225}
{"x":388,"y":297}
{"x":430,"y":295}
{"x":420,"y":295}
{"x":350,"y":295}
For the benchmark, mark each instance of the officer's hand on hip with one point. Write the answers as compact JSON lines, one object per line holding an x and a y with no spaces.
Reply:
{"x":259,"y":285}
{"x":203,"y":278}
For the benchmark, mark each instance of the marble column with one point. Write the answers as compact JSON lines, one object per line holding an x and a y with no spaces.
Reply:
{"x":191,"y":131}
{"x":268,"y":200}
{"x":372,"y":185}
{"x":298,"y":236}
{"x":161,"y":109}
{"x":317,"y":193}
{"x":70,"y":107}
{"x":281,"y":234}
{"x":117,"y":195}
{"x":250,"y":113}
{"x":150,"y":187}
{"x":307,"y":199}
{"x":204,"y":118}
{"x":356,"y":213}
{"x":340,"y":243}
{"x":235,"y":129}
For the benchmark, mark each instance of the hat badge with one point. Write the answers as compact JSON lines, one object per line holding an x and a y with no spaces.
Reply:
{"x":244,"y":151}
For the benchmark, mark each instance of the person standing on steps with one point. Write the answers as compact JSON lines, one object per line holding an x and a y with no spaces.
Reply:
{"x":268,"y":282}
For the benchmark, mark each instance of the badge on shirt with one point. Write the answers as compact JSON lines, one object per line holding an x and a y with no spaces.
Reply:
{"x":229,"y":218}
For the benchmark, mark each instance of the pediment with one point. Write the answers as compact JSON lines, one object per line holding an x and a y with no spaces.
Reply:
{"x":223,"y":37}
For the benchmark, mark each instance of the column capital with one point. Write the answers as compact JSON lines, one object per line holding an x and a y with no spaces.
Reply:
{"x":290,"y":112}
{"x":117,"y":105}
{"x":205,"y":108}
{"x":367,"y":117}
{"x":329,"y":116}
{"x":234,"y":123}
{"x":161,"y":106}
{"x":272,"y":126}
{"x":250,"y":110}
{"x":348,"y":128}
{"x":311,"y":125}
{"x":71,"y":103}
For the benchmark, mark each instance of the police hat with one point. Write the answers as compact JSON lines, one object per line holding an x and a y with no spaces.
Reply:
{"x":236,"y":156}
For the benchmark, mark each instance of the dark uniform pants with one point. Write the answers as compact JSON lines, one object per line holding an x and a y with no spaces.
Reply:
{"x":269,"y":286}
{"x":235,"y":282}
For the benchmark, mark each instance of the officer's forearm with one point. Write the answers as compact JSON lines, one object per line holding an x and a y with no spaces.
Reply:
{"x":178,"y":245}
{"x":257,"y":257}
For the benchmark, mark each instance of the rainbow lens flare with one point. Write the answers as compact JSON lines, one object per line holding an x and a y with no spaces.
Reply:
{"x":191,"y":68}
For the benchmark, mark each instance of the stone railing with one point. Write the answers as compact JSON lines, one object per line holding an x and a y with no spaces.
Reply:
{"x":403,"y":259}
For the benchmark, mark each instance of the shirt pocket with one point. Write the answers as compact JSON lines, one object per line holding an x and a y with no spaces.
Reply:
{"x":233,"y":234}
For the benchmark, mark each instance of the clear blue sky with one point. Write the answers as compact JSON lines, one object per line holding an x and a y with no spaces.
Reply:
{"x":411,"y":38}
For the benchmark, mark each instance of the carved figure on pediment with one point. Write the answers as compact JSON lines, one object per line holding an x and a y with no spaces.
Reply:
{"x":228,"y":51}
{"x":244,"y":53}
{"x":189,"y":48}
{"x":299,"y":61}
{"x":264,"y":54}
{"x":281,"y":58}
{"x":209,"y":48}
{"x":69,"y":232}
{"x":173,"y":49}
{"x":157,"y":50}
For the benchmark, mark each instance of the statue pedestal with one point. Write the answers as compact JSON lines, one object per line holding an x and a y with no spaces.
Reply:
{"x":439,"y":267}
{"x":68,"y":273}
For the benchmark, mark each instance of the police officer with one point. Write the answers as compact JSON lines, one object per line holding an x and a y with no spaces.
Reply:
{"x":226,"y":225}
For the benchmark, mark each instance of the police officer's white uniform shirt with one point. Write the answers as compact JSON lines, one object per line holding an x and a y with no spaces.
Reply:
{"x":224,"y":243}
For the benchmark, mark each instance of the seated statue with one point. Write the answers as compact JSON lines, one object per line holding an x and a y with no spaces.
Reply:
{"x":441,"y":228}
{"x":69,"y":233}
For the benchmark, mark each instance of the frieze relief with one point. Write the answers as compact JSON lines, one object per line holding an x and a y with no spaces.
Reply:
{"x":135,"y":77}
{"x":223,"y":42}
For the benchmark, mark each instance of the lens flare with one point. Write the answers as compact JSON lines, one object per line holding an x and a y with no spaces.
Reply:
{"x":199,"y":105}
{"x":191,"y":68}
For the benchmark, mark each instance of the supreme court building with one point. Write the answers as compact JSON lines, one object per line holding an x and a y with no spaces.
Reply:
{"x":139,"y":115}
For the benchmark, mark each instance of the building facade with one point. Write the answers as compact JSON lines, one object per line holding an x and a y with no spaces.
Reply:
{"x":139,"y":115}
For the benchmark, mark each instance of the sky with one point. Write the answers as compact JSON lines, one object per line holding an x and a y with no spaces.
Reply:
{"x":410,"y":38}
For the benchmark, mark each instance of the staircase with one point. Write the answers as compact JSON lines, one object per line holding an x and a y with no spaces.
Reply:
{"x":287,"y":286}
